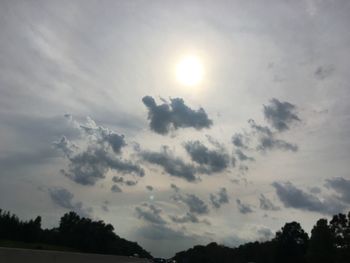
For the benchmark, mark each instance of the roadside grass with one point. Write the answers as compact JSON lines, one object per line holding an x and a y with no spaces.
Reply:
{"x":39,"y":246}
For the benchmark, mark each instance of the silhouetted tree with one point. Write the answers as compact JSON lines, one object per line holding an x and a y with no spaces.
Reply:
{"x":321,"y":244}
{"x":329,"y":243}
{"x":340,"y":226}
{"x":291,"y":243}
{"x":87,"y":235}
{"x":12,"y":228}
{"x":74,"y":231}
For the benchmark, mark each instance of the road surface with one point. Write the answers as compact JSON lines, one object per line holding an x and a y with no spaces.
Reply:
{"x":17,"y":255}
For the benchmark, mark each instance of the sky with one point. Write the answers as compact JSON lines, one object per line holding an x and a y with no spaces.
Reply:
{"x":94,"y":119}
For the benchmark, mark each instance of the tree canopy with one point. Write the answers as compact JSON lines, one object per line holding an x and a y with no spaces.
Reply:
{"x":82,"y":234}
{"x":329,"y":243}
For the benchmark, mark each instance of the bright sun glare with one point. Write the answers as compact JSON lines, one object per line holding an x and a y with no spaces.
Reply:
{"x":189,"y":71}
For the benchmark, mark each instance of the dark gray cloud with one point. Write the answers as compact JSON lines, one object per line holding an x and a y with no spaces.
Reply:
{"x":116,"y":141}
{"x":341,"y":186}
{"x":266,"y":204}
{"x":323,"y":72}
{"x":211,"y":160}
{"x":172,"y":165}
{"x":243,"y":208}
{"x":118,"y":179}
{"x":175,"y":188}
{"x":315,"y":190}
{"x":174,"y":115}
{"x":66,"y":146}
{"x":188,"y":218}
{"x":267,"y":141}
{"x":240,"y":141}
{"x":270,"y":143}
{"x":116,"y":189}
{"x":103,"y":153}
{"x":150,"y":213}
{"x":122,"y":181}
{"x":63,"y":198}
{"x":219,"y":198}
{"x":91,"y":165}
{"x":280,"y":114}
{"x":193,"y":202}
{"x":294,"y":197}
{"x":214,"y":142}
{"x":103,"y":135}
{"x":149,"y":187}
{"x":130,"y":183}
{"x":242,"y":156}
{"x":259,"y":129}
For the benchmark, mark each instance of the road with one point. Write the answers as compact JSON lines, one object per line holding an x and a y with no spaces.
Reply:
{"x":16,"y":255}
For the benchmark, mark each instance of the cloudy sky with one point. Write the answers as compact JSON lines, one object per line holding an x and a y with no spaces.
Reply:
{"x":95,"y":119}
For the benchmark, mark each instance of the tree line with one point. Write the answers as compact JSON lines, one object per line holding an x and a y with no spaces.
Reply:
{"x":329,"y":243}
{"x":79,"y":233}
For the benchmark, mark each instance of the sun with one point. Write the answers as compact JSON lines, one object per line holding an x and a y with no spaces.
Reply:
{"x":189,"y":71}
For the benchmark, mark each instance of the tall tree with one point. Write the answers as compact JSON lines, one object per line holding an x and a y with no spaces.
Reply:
{"x":291,"y":243}
{"x":340,"y":225}
{"x":321,"y":244}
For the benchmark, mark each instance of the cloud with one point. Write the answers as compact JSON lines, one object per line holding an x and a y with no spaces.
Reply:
{"x":121,"y":180}
{"x":266,"y":204}
{"x":220,"y":198}
{"x":294,"y":197}
{"x":323,"y":72}
{"x":240,"y":141}
{"x":150,"y":213}
{"x":174,"y":115}
{"x":174,"y":166}
{"x":280,"y":114}
{"x":130,"y":183}
{"x":157,"y":228}
{"x":242,"y":157}
{"x":66,"y":146}
{"x":188,"y":218}
{"x":118,"y":179}
{"x":315,"y":190}
{"x":149,"y":187}
{"x":194,"y":203}
{"x":103,"y":153}
{"x":92,"y":165}
{"x":103,"y":135}
{"x":211,"y":160}
{"x":243,"y":208}
{"x":116,"y":189}
{"x":267,"y":141}
{"x":63,"y":198}
{"x":175,"y":188}
{"x":341,"y":186}
{"x":264,"y":234}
